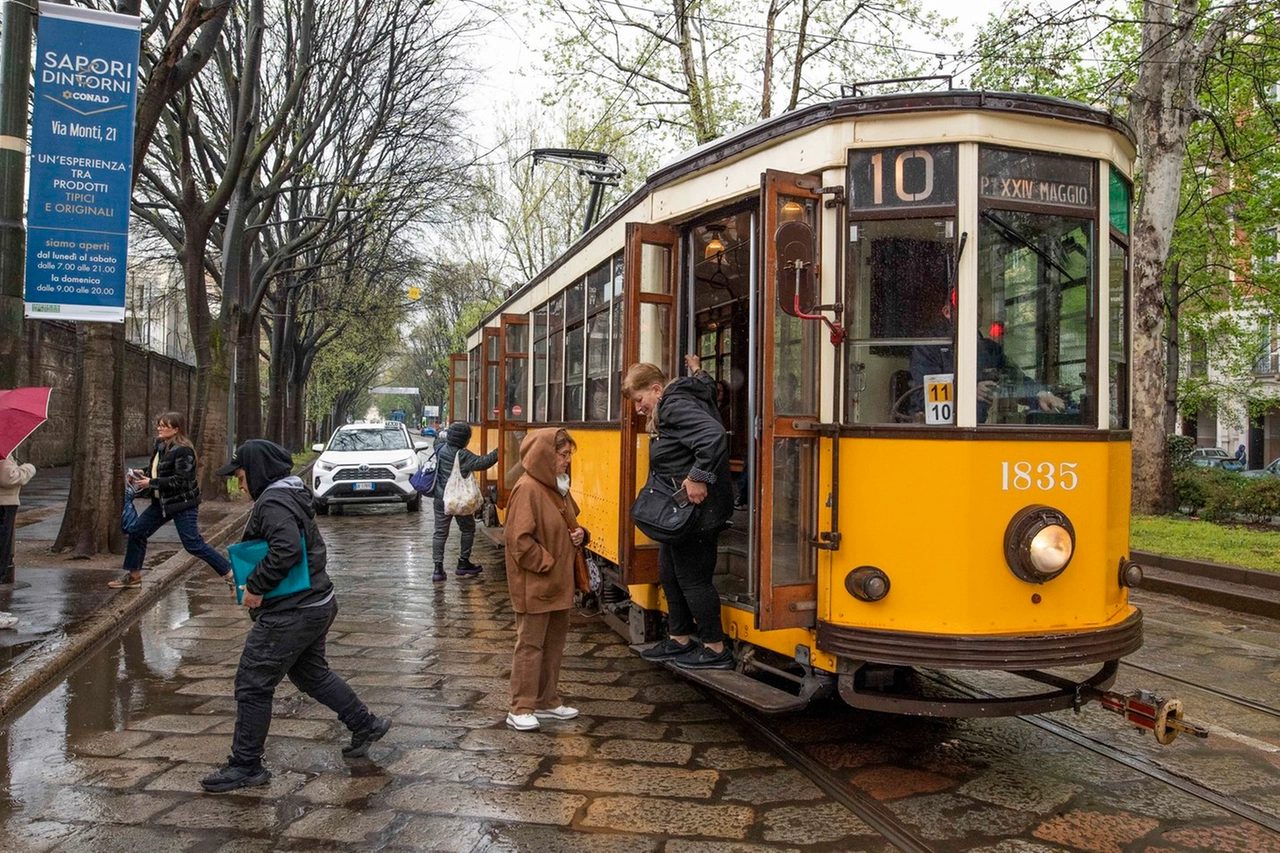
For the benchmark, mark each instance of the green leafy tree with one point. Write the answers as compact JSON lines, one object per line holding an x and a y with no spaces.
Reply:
{"x":1192,"y":79}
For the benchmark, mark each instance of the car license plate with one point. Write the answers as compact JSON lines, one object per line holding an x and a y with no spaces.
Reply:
{"x":362,"y":487}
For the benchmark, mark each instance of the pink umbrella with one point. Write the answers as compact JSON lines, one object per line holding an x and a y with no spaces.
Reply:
{"x":21,"y":411}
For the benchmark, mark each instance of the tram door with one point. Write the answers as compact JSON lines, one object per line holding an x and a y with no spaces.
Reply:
{"x":787,"y":457}
{"x":648,"y":286}
{"x":513,"y":418}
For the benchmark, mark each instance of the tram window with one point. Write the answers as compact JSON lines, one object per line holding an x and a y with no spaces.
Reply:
{"x":540,"y":364}
{"x":517,"y":389}
{"x":599,"y":295}
{"x":1035,"y":274}
{"x":555,"y":377}
{"x":900,"y":274}
{"x":655,"y":335}
{"x":615,"y":346}
{"x":598,"y":285}
{"x":598,"y":363}
{"x":555,"y":358}
{"x":1118,"y":326}
{"x":474,"y":363}
{"x":574,"y":372}
{"x":491,"y":390}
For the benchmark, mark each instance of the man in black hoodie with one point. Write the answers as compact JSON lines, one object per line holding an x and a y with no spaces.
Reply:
{"x":289,"y":631}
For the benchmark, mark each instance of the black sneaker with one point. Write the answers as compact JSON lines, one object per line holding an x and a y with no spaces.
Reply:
{"x":233,"y":776}
{"x":361,"y":740}
{"x":703,"y":658}
{"x":668,"y":648}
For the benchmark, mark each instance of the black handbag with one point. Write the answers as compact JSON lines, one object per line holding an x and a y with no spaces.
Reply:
{"x":658,"y":516}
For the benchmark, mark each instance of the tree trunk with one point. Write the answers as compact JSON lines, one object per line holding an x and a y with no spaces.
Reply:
{"x":91,"y":522}
{"x":1172,"y":350}
{"x":248,"y":381}
{"x":1164,"y":104}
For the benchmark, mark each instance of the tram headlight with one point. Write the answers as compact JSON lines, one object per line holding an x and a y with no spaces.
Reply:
{"x":867,"y":583}
{"x":1038,"y":543}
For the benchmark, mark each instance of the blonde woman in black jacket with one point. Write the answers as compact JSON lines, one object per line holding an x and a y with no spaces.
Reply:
{"x":689,"y":449}
{"x":175,"y":494}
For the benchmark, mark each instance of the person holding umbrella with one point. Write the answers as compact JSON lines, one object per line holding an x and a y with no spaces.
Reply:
{"x":13,"y":477}
{"x":21,"y":411}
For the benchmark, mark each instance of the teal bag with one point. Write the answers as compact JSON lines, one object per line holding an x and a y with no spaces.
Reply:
{"x":245,"y":557}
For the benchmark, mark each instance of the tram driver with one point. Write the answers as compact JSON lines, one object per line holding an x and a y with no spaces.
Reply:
{"x":997,"y":376}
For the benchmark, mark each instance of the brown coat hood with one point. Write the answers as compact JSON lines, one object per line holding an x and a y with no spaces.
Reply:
{"x":539,"y":552}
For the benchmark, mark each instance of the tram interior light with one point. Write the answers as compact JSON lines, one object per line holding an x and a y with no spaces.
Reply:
{"x":867,"y":583}
{"x":792,"y":211}
{"x":1039,"y":543}
{"x":715,"y":246}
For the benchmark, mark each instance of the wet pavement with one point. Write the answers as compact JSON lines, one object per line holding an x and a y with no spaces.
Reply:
{"x":54,"y":594}
{"x":110,"y":758}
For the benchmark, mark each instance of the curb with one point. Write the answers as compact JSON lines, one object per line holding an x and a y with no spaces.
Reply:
{"x":54,"y":656}
{"x":1230,"y":587}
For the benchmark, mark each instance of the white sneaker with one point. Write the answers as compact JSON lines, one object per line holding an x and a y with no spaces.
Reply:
{"x":523,"y":722}
{"x":564,"y":712}
{"x":7,"y":621}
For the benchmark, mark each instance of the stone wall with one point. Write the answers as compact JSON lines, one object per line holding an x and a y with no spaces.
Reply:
{"x":153,"y":384}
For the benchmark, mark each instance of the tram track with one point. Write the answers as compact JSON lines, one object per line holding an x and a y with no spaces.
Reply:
{"x":1242,"y":701}
{"x":1135,"y":762}
{"x":861,"y":804}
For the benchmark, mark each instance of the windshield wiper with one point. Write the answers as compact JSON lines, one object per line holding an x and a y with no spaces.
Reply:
{"x":1008,"y":231}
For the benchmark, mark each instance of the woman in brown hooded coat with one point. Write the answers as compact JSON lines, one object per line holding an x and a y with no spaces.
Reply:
{"x":542,"y":541}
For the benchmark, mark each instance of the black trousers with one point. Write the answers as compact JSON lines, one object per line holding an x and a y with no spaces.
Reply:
{"x":685,"y":570}
{"x":8,"y":520}
{"x":288,"y":643}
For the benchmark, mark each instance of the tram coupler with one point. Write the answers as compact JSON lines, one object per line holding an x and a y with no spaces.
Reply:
{"x":1148,"y":711}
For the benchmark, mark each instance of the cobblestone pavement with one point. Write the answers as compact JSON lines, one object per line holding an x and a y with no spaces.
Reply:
{"x":110,"y":759}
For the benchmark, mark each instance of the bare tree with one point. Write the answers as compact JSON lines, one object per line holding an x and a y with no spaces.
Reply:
{"x":174,"y":50}
{"x":677,"y":65}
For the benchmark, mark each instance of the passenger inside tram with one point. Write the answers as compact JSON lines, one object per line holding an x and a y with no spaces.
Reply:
{"x":997,"y":376}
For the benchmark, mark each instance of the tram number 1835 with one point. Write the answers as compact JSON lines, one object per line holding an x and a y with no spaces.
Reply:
{"x":1044,"y":476}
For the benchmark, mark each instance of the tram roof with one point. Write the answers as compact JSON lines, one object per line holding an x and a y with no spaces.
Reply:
{"x":781,"y":126}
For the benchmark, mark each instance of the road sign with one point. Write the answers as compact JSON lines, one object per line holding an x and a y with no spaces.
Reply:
{"x":393,"y":389}
{"x":81,"y":164}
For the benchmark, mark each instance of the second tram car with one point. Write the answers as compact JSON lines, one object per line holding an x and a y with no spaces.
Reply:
{"x":918,"y":306}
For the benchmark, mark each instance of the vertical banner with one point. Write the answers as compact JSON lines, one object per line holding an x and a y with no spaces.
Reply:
{"x":86,"y":81}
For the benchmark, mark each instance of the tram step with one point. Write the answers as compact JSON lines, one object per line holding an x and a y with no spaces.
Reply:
{"x":741,"y":688}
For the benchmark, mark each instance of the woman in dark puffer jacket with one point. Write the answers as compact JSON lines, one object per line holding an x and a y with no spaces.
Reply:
{"x":175,"y":495}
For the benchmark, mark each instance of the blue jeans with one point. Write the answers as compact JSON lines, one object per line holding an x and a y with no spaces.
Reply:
{"x":140,"y":528}
{"x":288,"y":642}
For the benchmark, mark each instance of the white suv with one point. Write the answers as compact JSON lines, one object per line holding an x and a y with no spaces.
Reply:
{"x":365,"y":463}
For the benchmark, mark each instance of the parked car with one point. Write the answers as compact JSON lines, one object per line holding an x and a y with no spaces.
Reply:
{"x":1215,"y":457}
{"x":364,"y":464}
{"x":1272,"y":470}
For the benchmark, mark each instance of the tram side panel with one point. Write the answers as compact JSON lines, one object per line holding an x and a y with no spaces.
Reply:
{"x":932,"y":514}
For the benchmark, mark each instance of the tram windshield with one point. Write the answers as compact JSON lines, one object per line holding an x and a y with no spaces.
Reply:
{"x":1034,"y":285}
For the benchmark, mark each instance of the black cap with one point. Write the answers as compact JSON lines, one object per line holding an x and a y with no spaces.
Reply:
{"x":233,"y":465}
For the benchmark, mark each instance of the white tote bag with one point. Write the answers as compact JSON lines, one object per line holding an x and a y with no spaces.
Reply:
{"x":462,"y":493}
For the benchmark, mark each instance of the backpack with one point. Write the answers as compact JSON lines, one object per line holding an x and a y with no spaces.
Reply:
{"x":424,"y":479}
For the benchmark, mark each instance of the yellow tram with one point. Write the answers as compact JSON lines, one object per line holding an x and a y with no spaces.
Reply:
{"x":919,"y":308}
